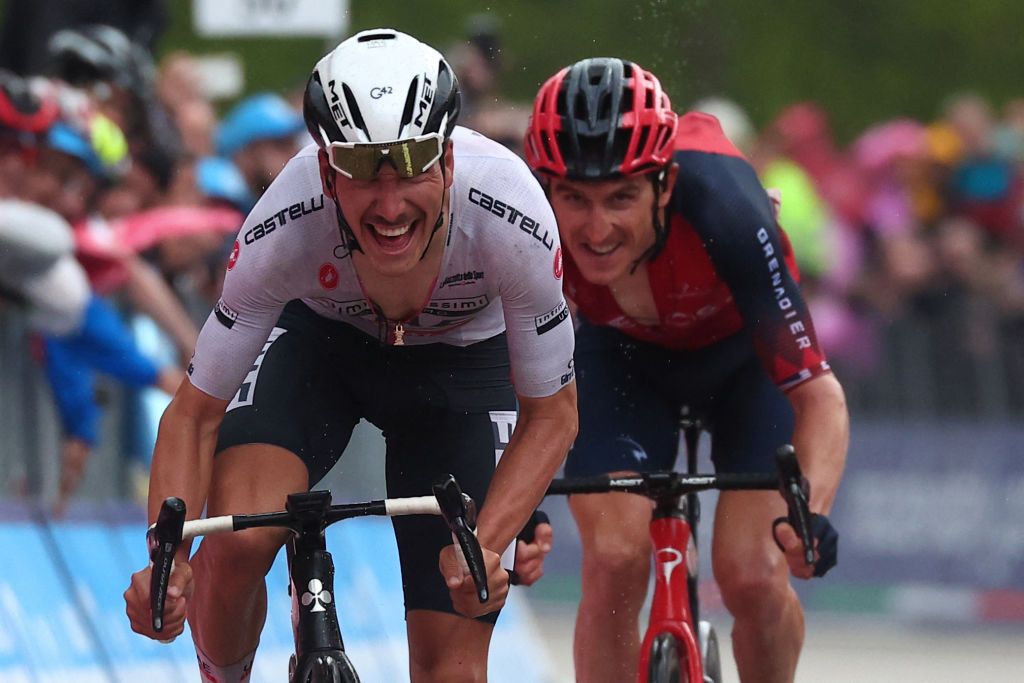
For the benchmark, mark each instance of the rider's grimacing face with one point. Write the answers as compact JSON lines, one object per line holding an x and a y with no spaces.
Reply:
{"x":606,"y":224}
{"x":392,"y":217}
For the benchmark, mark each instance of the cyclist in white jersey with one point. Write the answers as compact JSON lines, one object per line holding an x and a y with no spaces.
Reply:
{"x":400,"y":270}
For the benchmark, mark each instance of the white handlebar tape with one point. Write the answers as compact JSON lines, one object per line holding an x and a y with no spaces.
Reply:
{"x":205,"y":527}
{"x":420,"y":505}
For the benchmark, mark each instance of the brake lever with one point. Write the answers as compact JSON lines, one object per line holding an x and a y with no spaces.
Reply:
{"x":461,"y":520}
{"x":796,"y":491}
{"x":163,"y":539}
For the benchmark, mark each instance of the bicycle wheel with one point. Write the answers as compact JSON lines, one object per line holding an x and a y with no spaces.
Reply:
{"x":665,"y":664}
{"x":322,"y":667}
{"x":709,"y":651}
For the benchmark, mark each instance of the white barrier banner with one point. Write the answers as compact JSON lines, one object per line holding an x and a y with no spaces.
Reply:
{"x":327,"y":18}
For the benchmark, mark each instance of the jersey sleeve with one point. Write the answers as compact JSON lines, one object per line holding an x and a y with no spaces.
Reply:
{"x":719,"y":194}
{"x":537,"y":321}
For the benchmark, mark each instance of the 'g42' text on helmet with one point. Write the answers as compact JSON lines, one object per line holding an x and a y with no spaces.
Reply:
{"x":600,"y":118}
{"x":380,"y":85}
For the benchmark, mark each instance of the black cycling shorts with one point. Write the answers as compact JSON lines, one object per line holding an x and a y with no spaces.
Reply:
{"x":631,"y":394}
{"x":443,"y":409}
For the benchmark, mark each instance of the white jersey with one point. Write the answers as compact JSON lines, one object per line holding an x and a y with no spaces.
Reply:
{"x":501,"y":271}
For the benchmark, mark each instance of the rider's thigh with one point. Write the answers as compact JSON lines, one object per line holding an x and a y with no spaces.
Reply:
{"x":613,"y":529}
{"x":447,"y":648}
{"x":250,"y":479}
{"x":749,"y":569}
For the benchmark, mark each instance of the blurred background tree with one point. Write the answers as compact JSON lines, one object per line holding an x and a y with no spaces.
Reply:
{"x":895,"y":58}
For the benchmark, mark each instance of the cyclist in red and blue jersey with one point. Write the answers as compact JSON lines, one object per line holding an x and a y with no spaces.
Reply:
{"x":686,"y":293}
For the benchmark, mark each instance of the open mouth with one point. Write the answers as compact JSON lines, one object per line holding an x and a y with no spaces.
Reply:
{"x":392,"y":239}
{"x":603,"y":249}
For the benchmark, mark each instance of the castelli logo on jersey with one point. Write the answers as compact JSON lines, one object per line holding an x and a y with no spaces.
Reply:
{"x":328,"y":276}
{"x":233,"y":259}
{"x":558,"y":263}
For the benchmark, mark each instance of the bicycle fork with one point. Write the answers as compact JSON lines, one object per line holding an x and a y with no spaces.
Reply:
{"x":319,"y":650}
{"x":675,"y":569}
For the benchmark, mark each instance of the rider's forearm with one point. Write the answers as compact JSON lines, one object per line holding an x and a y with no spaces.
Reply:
{"x":544,"y":432}
{"x":183,"y":458}
{"x":821,"y":437}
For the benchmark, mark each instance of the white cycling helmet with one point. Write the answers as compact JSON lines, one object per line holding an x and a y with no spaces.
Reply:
{"x":380,"y":85}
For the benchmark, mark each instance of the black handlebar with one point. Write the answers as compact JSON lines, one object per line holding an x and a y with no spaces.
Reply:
{"x":789,"y":481}
{"x":461,"y":520}
{"x":658,"y":485}
{"x":163,"y":539}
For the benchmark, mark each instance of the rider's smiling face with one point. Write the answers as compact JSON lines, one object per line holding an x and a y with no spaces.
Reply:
{"x":606,"y":224}
{"x":392,"y":217}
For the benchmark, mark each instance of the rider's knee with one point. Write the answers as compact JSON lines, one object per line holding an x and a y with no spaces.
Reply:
{"x":758,"y":589}
{"x":618,"y":555}
{"x":247,"y":553}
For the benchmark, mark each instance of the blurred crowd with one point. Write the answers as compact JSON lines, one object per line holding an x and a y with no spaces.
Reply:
{"x":122,"y":189}
{"x":910,"y":217}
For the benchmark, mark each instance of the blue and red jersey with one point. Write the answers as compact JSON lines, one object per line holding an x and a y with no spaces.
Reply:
{"x":726,"y":265}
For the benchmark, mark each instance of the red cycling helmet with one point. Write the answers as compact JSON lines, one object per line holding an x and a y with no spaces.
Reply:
{"x":23,"y":111}
{"x":600,"y":118}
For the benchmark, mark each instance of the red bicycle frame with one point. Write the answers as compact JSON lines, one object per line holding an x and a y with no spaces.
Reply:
{"x":675,"y":609}
{"x":675,"y":563}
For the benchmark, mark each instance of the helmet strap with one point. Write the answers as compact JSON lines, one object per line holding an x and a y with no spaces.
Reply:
{"x":658,"y":221}
{"x":440,"y":216}
{"x":348,"y":237}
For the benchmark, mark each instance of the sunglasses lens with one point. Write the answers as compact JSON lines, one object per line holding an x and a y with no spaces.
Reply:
{"x":358,"y":163}
{"x":408,"y":158}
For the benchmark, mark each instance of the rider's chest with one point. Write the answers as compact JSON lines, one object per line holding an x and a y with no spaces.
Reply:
{"x":400,"y":300}
{"x":635,"y":298}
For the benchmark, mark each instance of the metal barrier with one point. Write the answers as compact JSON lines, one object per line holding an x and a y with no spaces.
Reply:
{"x":30,"y":433}
{"x":956,"y":362}
{"x":933,"y":365}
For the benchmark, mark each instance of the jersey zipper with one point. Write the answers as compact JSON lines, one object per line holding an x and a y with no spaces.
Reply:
{"x":392,"y":332}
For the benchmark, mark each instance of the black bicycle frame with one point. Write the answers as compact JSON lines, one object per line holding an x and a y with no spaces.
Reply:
{"x":319,"y":649}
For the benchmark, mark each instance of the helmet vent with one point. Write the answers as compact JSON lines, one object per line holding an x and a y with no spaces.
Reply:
{"x":353,"y":108}
{"x":562,"y":103}
{"x":604,"y":108}
{"x":545,"y":141}
{"x":376,"y":36}
{"x":641,"y":142}
{"x":410,"y":102}
{"x":580,"y":105}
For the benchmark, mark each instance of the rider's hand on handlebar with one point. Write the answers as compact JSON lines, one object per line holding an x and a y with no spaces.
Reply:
{"x":461,"y":586}
{"x":179,"y":591}
{"x":826,"y":540}
{"x":530,"y":555}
